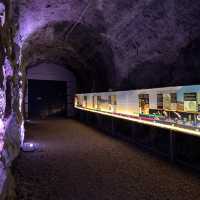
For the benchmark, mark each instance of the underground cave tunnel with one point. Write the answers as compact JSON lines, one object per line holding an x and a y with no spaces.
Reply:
{"x":99,"y":99}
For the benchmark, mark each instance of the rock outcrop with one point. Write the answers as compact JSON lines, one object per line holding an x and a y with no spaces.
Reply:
{"x":11,"y":86}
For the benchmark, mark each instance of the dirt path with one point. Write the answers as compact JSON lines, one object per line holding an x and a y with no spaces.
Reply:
{"x":76,"y":162}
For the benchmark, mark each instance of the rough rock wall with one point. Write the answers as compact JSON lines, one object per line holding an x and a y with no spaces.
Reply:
{"x":68,"y":33}
{"x":11,"y":86}
{"x":147,"y":38}
{"x":85,"y":53}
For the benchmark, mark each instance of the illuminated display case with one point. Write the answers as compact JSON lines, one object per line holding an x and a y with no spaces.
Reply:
{"x":174,"y":108}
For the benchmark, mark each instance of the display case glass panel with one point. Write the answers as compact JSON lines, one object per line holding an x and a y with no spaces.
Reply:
{"x":174,"y":108}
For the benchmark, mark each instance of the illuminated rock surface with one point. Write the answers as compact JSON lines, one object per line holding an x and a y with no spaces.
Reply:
{"x":11,"y":119}
{"x":127,"y":41}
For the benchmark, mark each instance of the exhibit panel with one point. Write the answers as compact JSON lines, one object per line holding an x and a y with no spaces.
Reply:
{"x":133,"y":102}
{"x":174,"y":108}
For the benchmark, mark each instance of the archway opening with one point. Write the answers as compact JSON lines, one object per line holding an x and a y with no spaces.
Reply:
{"x":50,"y":91}
{"x":82,"y":61}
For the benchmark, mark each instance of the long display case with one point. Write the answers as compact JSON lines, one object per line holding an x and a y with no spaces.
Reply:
{"x":174,"y":108}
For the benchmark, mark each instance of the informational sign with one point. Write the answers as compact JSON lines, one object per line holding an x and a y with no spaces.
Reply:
{"x":190,"y":106}
{"x":180,"y":106}
{"x":167,"y":101}
{"x":198,"y":98}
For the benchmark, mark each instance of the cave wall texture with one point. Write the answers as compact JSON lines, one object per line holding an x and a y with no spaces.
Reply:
{"x":107,"y":44}
{"x":124,"y":43}
{"x":11,"y":96}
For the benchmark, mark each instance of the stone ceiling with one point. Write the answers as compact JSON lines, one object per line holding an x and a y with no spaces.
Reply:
{"x":123,"y":38}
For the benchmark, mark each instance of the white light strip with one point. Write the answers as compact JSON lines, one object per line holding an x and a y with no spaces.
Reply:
{"x":155,"y":124}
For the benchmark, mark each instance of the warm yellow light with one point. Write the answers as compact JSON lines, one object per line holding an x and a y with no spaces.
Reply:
{"x":150,"y":123}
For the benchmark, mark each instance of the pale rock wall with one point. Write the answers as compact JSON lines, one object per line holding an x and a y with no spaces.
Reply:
{"x":11,"y":123}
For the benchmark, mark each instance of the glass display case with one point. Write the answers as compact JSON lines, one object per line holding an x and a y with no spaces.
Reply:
{"x":175,"y":108}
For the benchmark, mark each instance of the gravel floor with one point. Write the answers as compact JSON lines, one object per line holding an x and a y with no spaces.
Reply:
{"x":76,"y":162}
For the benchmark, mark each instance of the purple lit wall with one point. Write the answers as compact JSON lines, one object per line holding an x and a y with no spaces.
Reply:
{"x":36,"y":14}
{"x":11,"y":96}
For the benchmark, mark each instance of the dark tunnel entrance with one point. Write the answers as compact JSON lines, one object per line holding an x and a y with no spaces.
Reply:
{"x":47,"y":98}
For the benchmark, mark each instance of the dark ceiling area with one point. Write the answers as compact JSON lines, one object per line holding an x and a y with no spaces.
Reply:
{"x":184,"y":70}
{"x":113,"y":45}
{"x":85,"y":52}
